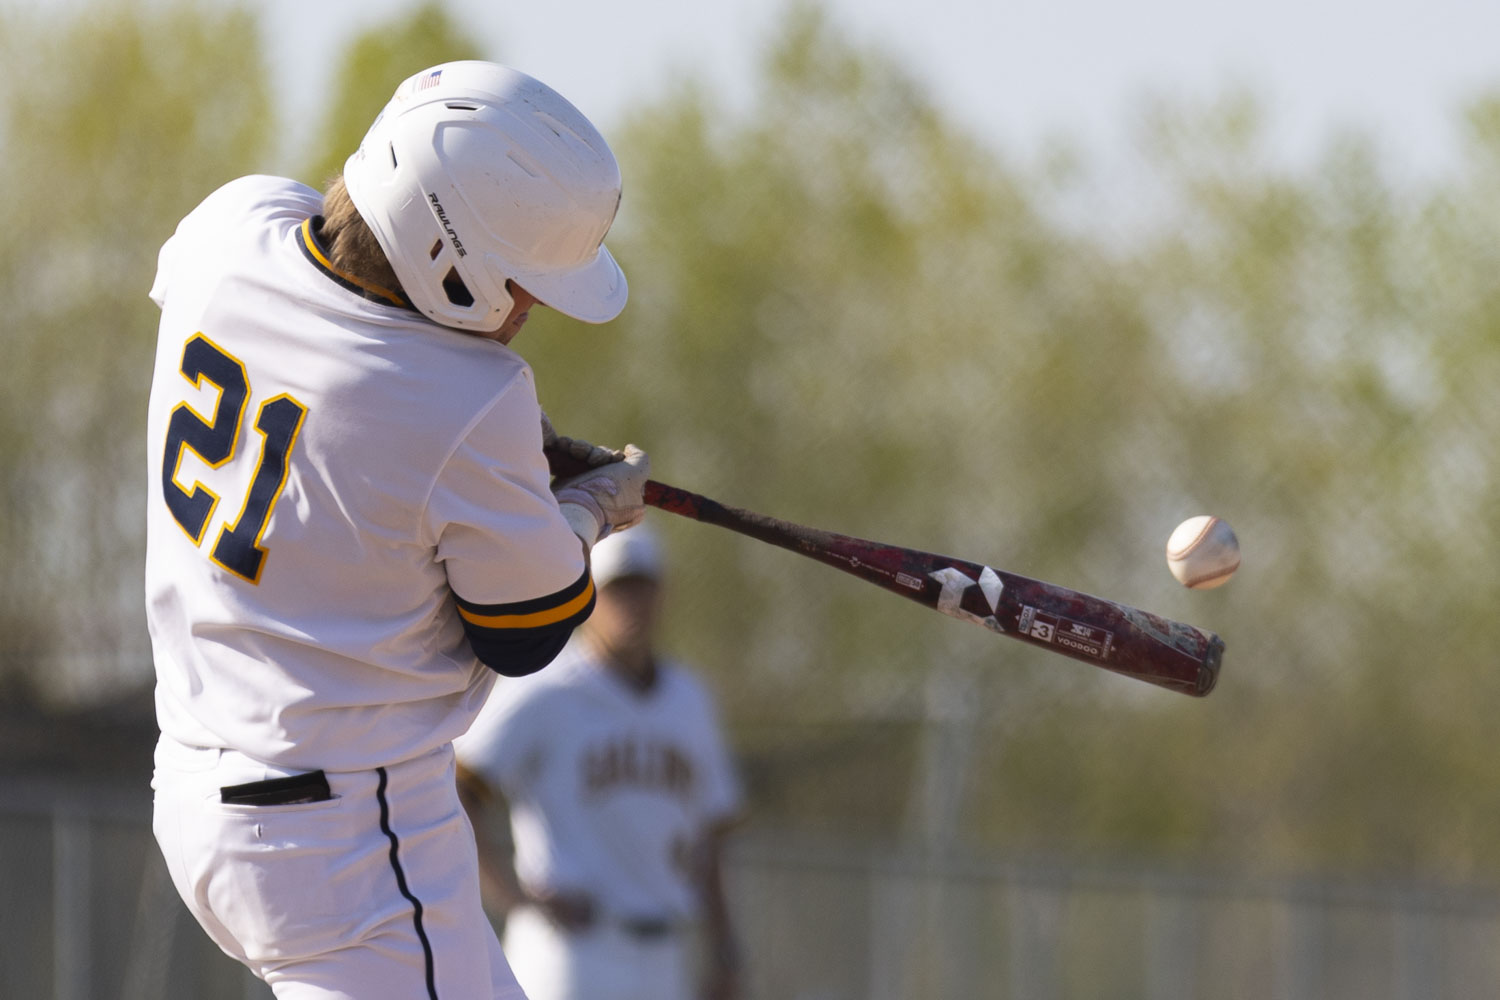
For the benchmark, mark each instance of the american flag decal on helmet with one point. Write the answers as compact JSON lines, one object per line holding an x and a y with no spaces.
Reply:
{"x":430,"y":80}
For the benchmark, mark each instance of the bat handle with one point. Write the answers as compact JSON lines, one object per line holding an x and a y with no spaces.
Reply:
{"x":563,"y":465}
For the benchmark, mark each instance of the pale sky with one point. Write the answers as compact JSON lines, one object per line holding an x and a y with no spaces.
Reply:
{"x":1012,"y":71}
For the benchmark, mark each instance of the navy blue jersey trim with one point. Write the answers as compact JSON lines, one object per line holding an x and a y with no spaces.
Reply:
{"x":519,"y":655}
{"x":520,"y":614}
{"x":317,"y":254}
{"x":523,"y":637}
{"x":385,"y":827}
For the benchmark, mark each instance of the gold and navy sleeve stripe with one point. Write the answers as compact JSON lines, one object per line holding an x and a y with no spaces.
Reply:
{"x":522,"y":638}
{"x":312,"y":248}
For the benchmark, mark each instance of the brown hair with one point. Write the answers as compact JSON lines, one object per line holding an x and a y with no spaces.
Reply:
{"x":352,"y":247}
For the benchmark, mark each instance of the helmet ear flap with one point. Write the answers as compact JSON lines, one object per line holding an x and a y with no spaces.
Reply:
{"x":453,"y":283}
{"x":458,"y":293}
{"x":454,"y":288}
{"x":479,"y":293}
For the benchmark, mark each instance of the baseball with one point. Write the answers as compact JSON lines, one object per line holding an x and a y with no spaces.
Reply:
{"x":1203,"y":552}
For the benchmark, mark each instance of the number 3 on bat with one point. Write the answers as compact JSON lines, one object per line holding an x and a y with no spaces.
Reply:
{"x":279,"y":419}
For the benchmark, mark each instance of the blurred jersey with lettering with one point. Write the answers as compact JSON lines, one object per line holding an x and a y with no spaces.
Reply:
{"x":345,"y":500}
{"x":609,"y":788}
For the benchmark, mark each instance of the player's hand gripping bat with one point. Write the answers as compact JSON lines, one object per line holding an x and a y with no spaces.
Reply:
{"x":1097,"y":631}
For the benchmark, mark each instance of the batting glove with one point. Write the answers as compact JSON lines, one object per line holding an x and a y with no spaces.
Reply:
{"x":611,"y":495}
{"x":589,"y":454}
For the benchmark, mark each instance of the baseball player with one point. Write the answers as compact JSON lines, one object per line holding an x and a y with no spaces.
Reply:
{"x":620,"y":792}
{"x":351,"y":529}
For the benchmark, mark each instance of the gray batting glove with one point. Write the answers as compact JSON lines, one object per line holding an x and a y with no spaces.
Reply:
{"x":612,"y":494}
{"x":589,"y":454}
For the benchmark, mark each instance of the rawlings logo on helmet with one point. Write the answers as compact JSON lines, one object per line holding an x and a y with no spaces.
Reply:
{"x":437,"y":207}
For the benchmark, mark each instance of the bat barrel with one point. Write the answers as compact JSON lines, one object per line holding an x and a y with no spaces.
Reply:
{"x":1107,"y":634}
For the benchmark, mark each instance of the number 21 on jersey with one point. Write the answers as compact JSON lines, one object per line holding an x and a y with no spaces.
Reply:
{"x":278,"y":420}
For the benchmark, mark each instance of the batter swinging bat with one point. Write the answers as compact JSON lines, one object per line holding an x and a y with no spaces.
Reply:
{"x":1097,"y":631}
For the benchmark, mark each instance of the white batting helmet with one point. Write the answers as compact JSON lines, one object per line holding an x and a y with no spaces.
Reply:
{"x":475,"y":173}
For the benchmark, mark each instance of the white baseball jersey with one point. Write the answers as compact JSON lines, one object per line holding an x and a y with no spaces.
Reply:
{"x":609,"y":787}
{"x":348,"y":504}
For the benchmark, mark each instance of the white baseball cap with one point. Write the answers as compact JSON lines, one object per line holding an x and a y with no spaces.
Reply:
{"x":632,"y":552}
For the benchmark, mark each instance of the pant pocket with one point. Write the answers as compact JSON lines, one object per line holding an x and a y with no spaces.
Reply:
{"x":292,"y":880}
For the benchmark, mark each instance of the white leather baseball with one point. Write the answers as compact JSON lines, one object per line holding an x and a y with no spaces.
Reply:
{"x":1203,"y":552}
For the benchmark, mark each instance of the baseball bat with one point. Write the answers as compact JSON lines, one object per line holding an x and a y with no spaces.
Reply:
{"x":1097,"y":631}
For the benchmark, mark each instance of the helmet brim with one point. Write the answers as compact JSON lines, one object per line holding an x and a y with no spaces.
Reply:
{"x":593,"y":293}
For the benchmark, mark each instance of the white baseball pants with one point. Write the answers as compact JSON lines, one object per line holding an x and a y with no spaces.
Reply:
{"x":363,"y":887}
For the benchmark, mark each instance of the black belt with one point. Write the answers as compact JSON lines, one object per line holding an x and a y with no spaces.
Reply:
{"x":647,"y":928}
{"x":310,"y":787}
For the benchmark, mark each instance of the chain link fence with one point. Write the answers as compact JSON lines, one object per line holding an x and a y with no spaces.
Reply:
{"x":90,"y":914}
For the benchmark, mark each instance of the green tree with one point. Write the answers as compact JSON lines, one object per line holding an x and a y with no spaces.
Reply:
{"x":847,"y":313}
{"x":116,"y":121}
{"x":1325,"y":348}
{"x":832,"y":295}
{"x":369,"y":71}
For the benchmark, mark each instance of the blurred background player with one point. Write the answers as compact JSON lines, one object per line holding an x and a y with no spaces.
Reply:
{"x":351,"y":527}
{"x":621,"y":792}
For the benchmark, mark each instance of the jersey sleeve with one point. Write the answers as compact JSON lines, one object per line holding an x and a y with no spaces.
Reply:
{"x":517,"y":571}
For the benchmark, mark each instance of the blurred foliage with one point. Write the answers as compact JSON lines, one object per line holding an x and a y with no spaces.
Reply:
{"x":368,"y":73}
{"x":849,"y":313}
{"x":830,"y":299}
{"x":115,"y":122}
